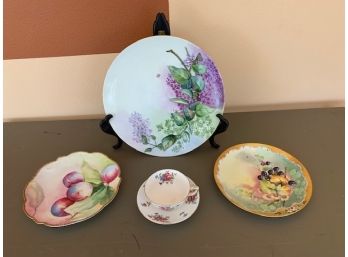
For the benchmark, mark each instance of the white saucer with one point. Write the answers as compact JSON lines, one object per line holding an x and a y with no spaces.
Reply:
{"x":156,"y":215}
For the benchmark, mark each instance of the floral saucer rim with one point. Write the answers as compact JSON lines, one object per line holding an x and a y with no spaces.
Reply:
{"x":77,"y":221}
{"x":309,"y":188}
{"x":189,"y":214}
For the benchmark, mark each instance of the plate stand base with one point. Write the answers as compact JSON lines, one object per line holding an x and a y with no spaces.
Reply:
{"x":105,"y":126}
{"x":221,"y":128}
{"x":161,"y":27}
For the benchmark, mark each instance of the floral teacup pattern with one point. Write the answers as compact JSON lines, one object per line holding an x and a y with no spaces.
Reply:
{"x":167,"y":216}
{"x":167,"y":189}
{"x":166,"y":177}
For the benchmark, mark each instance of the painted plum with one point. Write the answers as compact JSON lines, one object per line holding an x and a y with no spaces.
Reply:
{"x":72,"y":178}
{"x":79,"y":191}
{"x":59,"y":206}
{"x":110,"y":173}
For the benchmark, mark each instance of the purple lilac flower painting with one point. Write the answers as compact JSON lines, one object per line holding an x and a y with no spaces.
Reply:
{"x":170,"y":107}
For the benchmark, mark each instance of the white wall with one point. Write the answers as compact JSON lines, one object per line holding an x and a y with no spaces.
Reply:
{"x":273,"y":54}
{"x":55,"y":87}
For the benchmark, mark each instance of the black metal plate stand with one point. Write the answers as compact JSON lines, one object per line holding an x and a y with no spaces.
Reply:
{"x":161,"y":27}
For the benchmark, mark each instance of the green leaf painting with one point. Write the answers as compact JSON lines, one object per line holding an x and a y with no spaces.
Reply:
{"x":187,"y":92}
{"x":189,"y":114}
{"x":144,"y":139}
{"x":199,"y":68}
{"x":178,"y":119}
{"x":198,"y":83}
{"x":179,"y":74}
{"x":193,"y":117}
{"x":90,"y":175}
{"x":168,"y":141}
{"x":179,"y":101}
{"x":148,"y":150}
{"x":202,"y":110}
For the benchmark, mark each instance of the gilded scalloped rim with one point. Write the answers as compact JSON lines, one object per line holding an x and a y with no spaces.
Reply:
{"x":77,"y":221}
{"x":309,"y":189}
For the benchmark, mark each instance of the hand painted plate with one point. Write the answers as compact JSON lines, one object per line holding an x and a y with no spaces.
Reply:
{"x":164,"y":93}
{"x":166,"y":217}
{"x":71,"y":189}
{"x":263,"y":180}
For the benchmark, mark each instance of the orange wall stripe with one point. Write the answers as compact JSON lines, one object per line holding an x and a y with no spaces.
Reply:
{"x":41,"y":28}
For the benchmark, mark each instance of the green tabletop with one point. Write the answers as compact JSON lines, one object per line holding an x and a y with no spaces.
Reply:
{"x":218,"y":228}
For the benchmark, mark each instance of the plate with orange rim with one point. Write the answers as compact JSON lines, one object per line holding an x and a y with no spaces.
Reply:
{"x":71,"y":189}
{"x":263,"y":179}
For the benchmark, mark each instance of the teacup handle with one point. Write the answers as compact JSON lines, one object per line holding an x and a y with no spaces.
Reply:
{"x":193,"y":189}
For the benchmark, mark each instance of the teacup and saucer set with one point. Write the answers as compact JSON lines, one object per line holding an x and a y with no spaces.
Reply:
{"x":168,"y":197}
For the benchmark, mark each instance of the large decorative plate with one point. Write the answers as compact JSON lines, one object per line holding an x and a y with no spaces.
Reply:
{"x":263,"y":180}
{"x":71,"y":189}
{"x":164,"y":93}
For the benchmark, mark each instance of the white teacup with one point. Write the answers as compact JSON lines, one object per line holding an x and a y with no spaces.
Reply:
{"x":168,"y":189}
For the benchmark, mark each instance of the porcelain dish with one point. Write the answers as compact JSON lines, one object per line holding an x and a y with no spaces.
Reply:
{"x":71,"y":189}
{"x":164,"y":94}
{"x":263,"y":180}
